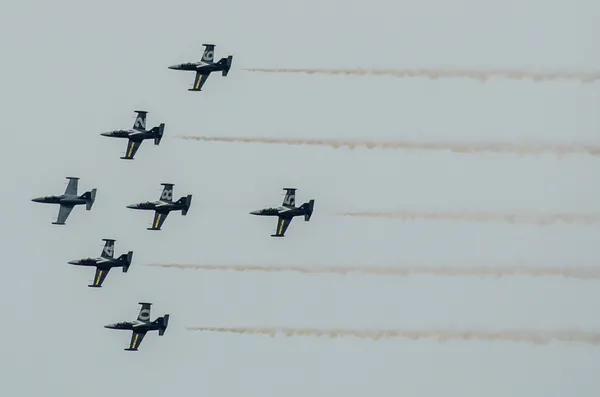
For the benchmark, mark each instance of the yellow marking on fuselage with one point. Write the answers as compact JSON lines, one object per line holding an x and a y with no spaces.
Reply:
{"x":131,"y":149}
{"x":156,"y":223}
{"x":200,"y":77}
{"x":281,"y":226}
{"x":134,"y":341}
{"x":98,"y":278}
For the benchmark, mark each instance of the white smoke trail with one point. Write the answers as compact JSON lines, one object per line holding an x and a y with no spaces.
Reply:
{"x":472,"y":147}
{"x":536,"y":219}
{"x":581,"y":272}
{"x":527,"y":336}
{"x":481,"y":75}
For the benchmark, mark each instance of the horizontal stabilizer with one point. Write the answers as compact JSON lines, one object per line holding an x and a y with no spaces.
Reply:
{"x":227,"y":65}
{"x":128,"y":261}
{"x":309,"y":210}
{"x":188,"y":203}
{"x":90,"y":197}
{"x":165,"y":323}
{"x":159,"y":133}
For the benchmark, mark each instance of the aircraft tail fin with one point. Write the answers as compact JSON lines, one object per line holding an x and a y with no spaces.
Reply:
{"x":89,"y":198}
{"x":308,"y":208}
{"x":127,"y":258}
{"x":158,"y":133}
{"x":227,"y":61}
{"x":164,"y":323}
{"x":186,"y":201}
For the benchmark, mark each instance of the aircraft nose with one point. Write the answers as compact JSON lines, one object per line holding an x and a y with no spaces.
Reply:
{"x":175,"y":67}
{"x":257,"y":212}
{"x":37,"y":199}
{"x":74,"y":262}
{"x":111,"y":326}
{"x":132,"y":206}
{"x":106,"y":133}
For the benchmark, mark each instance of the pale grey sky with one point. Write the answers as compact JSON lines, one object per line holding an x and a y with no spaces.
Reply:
{"x":74,"y":69}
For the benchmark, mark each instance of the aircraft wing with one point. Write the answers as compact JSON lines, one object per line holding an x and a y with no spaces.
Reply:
{"x":63,"y":214}
{"x":140,"y":121}
{"x":159,"y":219}
{"x":136,"y":339}
{"x":109,"y":248}
{"x":72,"y":187}
{"x":132,"y":147}
{"x":99,"y":277}
{"x":282,"y":225}
{"x":144,"y":314}
{"x":289,"y":200}
{"x":201,"y":78}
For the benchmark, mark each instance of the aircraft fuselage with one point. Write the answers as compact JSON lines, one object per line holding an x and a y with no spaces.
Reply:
{"x":62,"y":199}
{"x":102,"y":263}
{"x":135,"y":326}
{"x":285,"y":212}
{"x":199,"y":67}
{"x":129,"y":134}
{"x":159,"y":206}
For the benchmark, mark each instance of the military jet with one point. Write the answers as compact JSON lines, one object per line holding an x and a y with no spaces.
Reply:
{"x":287,"y":211}
{"x":205,"y":67}
{"x":105,"y":262}
{"x":141,"y":326}
{"x":164,"y":205}
{"x":68,"y":200}
{"x":137,"y":134}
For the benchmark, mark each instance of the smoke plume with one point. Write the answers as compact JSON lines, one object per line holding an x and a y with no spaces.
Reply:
{"x":526,"y":336}
{"x":575,"y":272}
{"x":524,"y":218}
{"x":481,"y":75}
{"x":466,"y":147}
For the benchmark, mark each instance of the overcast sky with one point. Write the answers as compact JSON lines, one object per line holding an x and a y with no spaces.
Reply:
{"x":74,"y":69}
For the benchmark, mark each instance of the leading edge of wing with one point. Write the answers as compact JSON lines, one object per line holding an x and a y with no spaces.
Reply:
{"x":282,"y":225}
{"x":99,"y":277}
{"x":132,"y":148}
{"x":136,"y":340}
{"x":199,"y":81}
{"x":63,"y":214}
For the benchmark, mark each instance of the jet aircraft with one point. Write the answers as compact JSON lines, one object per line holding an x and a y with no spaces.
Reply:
{"x":105,"y":262}
{"x":205,"y":66}
{"x":137,"y":134}
{"x":287,"y":211}
{"x":164,"y":206}
{"x":69,"y":200}
{"x":141,"y":326}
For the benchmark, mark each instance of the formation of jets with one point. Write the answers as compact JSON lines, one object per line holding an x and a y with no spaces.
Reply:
{"x":162,"y":207}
